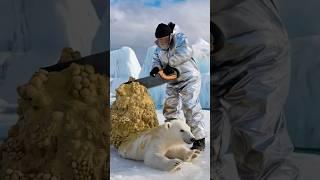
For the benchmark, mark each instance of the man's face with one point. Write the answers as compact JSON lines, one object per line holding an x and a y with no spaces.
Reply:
{"x":164,"y":42}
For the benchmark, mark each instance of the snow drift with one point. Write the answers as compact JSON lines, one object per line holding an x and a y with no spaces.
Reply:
{"x":123,"y":64}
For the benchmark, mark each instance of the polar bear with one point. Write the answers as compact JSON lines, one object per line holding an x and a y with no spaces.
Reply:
{"x":163,"y":147}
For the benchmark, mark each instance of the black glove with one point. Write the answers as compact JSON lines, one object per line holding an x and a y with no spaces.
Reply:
{"x":168,"y":70}
{"x":154,"y":71}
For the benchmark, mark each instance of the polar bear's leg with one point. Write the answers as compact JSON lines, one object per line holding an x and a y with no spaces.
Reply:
{"x":183,"y":153}
{"x":159,"y":161}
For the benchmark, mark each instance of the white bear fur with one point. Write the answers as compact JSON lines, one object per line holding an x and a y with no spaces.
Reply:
{"x":163,"y":147}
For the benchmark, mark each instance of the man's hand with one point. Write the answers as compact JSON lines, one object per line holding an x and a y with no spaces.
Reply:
{"x":154,"y":71}
{"x":168,"y":70}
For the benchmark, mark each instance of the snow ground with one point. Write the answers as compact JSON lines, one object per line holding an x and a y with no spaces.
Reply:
{"x":135,"y":170}
{"x":120,"y":168}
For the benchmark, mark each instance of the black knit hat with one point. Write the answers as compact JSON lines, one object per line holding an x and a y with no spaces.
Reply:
{"x":164,"y":30}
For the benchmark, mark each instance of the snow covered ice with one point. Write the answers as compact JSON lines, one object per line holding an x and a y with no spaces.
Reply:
{"x":123,"y":64}
{"x":201,"y":53}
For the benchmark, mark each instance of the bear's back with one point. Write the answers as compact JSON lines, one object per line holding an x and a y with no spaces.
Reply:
{"x":135,"y":147}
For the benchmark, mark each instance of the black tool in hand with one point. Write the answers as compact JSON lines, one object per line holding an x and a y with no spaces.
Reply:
{"x":158,"y":79}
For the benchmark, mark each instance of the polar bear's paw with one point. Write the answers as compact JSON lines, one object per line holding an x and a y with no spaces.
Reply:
{"x":175,"y":165}
{"x":192,"y":154}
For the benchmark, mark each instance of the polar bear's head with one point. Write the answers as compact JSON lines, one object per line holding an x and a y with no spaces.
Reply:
{"x":179,"y":132}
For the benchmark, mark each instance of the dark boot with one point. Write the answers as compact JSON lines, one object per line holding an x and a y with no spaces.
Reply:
{"x":199,"y":144}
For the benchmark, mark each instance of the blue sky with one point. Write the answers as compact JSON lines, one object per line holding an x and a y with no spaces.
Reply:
{"x":150,"y":3}
{"x":133,"y":22}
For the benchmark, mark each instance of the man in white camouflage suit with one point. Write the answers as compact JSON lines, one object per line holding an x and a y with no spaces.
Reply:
{"x":174,"y":53}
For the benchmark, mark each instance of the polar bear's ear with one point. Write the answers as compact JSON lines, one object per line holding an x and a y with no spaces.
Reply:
{"x":167,"y":125}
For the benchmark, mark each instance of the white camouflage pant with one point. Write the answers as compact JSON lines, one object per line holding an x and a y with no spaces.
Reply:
{"x":188,"y":93}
